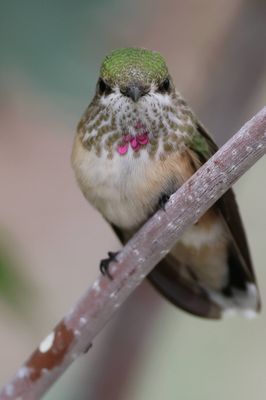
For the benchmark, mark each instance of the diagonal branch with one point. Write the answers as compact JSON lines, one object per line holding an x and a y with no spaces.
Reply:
{"x":73,"y":335}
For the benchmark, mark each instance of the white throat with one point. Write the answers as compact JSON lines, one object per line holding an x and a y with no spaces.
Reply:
{"x":150,"y":110}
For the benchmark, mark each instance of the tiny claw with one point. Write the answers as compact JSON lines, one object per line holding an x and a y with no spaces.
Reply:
{"x":163,"y":200}
{"x":113,"y":255}
{"x":104,"y":264}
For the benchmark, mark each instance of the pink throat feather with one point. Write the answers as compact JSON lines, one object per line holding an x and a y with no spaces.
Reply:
{"x":136,"y":142}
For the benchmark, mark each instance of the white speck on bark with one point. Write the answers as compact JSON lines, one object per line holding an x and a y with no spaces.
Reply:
{"x":24,"y":372}
{"x":47,"y":343}
{"x":96,"y":286}
{"x":82,"y":321}
{"x":45,"y":371}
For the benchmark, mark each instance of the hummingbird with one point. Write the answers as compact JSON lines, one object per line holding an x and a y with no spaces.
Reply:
{"x":137,"y":142}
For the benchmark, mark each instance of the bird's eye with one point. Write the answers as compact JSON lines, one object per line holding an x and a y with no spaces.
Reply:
{"x":103,"y":87}
{"x":164,"y":86}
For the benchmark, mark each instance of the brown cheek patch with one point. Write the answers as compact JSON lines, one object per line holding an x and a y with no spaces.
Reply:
{"x":53,"y":357}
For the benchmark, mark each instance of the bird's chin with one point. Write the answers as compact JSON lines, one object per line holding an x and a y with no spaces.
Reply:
{"x":129,"y":114}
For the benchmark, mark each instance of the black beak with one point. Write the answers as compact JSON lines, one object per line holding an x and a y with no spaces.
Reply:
{"x":134,"y":92}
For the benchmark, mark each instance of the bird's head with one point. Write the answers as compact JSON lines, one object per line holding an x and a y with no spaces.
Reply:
{"x":135,"y":87}
{"x":135,"y":105}
{"x":134,"y":73}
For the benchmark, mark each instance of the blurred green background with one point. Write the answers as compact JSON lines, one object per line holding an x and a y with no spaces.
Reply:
{"x":51,"y":240}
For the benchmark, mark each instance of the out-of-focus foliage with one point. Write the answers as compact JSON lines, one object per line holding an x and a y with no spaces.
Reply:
{"x":62,"y":58}
{"x":15,"y":289}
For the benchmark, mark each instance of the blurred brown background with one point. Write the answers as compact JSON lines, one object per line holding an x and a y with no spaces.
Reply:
{"x":52,"y":240}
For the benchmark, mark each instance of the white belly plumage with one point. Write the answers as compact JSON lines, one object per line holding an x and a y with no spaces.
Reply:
{"x":112,"y":186}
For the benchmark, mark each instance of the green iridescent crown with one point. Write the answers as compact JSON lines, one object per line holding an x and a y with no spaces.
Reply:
{"x":133,"y":64}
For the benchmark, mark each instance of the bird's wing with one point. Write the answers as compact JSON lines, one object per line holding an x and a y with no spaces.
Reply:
{"x":228,"y":208}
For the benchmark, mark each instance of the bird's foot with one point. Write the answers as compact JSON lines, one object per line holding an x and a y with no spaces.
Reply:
{"x":163,"y":200}
{"x":104,"y":264}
